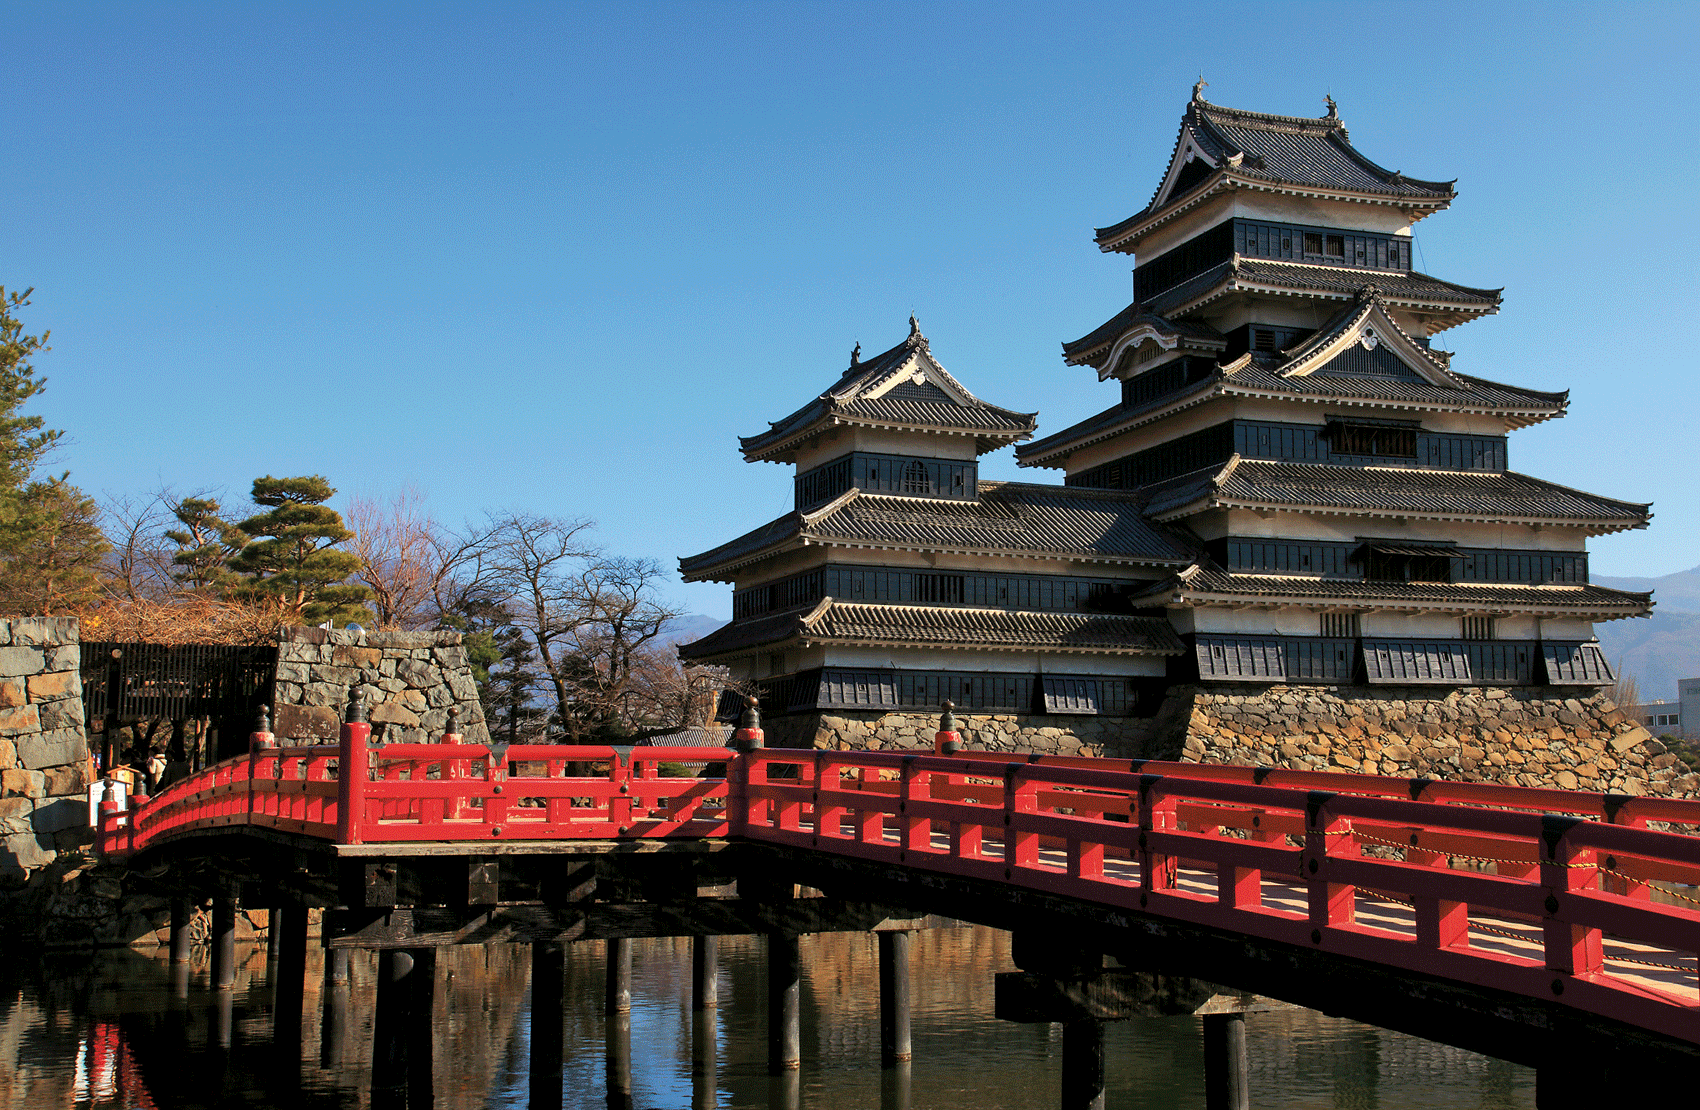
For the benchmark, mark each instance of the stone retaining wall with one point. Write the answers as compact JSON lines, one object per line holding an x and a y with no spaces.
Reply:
{"x":44,"y":755}
{"x":408,"y":681}
{"x":1518,"y":736}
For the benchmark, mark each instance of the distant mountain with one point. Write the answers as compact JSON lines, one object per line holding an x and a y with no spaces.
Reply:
{"x":690,"y":627}
{"x":1664,"y":647}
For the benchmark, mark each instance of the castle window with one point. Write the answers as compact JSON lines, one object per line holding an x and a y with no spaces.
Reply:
{"x":915,"y":479}
{"x":1313,"y":243}
{"x":1334,"y":246}
{"x":1478,"y":628}
{"x":1341,"y":626}
{"x":1262,"y":340}
{"x":1371,"y":439}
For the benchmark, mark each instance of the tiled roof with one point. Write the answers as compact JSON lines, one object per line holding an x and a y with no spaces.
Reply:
{"x":1014,"y":517}
{"x":1374,"y":491}
{"x":842,"y":622}
{"x":1308,"y":153}
{"x":1210,"y":581}
{"x":947,"y":405}
{"x":696,"y":736}
{"x":1259,"y":372}
{"x":1408,"y":289}
{"x":1137,"y":315}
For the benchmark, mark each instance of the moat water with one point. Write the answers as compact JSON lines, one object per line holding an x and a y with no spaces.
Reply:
{"x":124,"y":1030}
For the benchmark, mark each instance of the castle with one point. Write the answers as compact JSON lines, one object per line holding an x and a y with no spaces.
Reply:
{"x":1295,"y":490}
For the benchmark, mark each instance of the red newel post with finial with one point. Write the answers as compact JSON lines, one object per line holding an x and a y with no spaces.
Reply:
{"x":261,"y":738}
{"x":746,"y":740}
{"x":948,"y":741}
{"x":353,"y":764}
{"x":749,"y":736}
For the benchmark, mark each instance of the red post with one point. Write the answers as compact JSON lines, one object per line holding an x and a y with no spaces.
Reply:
{"x":947,"y":741}
{"x":261,"y":738}
{"x":1571,"y":949}
{"x":353,"y":766}
{"x":456,"y":806}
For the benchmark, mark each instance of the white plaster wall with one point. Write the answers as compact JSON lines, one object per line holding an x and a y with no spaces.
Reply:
{"x":1286,"y":525}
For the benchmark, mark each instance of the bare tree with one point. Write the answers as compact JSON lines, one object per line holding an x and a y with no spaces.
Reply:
{"x":398,"y":545}
{"x":139,"y":566}
{"x":625,"y":621}
{"x":531,"y":566}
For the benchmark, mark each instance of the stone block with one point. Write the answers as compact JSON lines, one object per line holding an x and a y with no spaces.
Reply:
{"x":21,"y":718}
{"x":38,"y":632}
{"x":54,"y":814}
{"x":64,"y":713}
{"x":52,"y":749}
{"x":360,"y":657}
{"x":307,"y":722}
{"x":27,"y":851}
{"x":301,"y":634}
{"x":324,"y":695}
{"x":8,"y":754}
{"x":15,"y":661}
{"x":418,"y":674}
{"x":1633,"y":738}
{"x":65,"y":657}
{"x":450,"y":658}
{"x":73,"y":779}
{"x":11,"y":693}
{"x":21,"y":782}
{"x":394,"y":713}
{"x":463,"y":688}
{"x":338,"y":676}
{"x":413,"y":700}
{"x":49,"y":685}
{"x":295,"y":671}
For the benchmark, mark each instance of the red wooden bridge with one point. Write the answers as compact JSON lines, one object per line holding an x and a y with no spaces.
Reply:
{"x":1550,"y":919}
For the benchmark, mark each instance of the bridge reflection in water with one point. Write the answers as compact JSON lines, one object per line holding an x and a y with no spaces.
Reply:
{"x":123,"y":1030}
{"x":1524,"y":923}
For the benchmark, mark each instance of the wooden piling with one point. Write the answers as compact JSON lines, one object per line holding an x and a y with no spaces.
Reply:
{"x":390,"y":1029}
{"x":181,"y":914}
{"x":224,"y":940}
{"x":1083,"y":1065}
{"x":334,"y":1024}
{"x":705,"y":972}
{"x":619,"y":1035}
{"x":548,"y":1023}
{"x":617,"y":996}
{"x":288,"y":924}
{"x":784,"y":999}
{"x":1226,"y":1084}
{"x":894,"y":997}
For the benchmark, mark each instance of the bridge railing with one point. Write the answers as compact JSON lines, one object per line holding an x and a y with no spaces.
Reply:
{"x":1498,"y":886}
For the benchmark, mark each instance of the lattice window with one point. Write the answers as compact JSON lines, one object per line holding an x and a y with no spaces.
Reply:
{"x":1342,"y":626}
{"x":915,"y":479}
{"x":1372,"y":439}
{"x":1478,"y":628}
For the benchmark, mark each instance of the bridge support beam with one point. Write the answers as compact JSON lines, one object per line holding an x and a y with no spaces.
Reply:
{"x":705,"y":1078}
{"x":1083,"y":1065}
{"x":1226,"y":1082}
{"x":784,"y":1004}
{"x":705,"y":973}
{"x":181,"y":915}
{"x":894,"y":997}
{"x":224,"y":940}
{"x":274,"y":935}
{"x":617,"y":995}
{"x":548,"y":1022}
{"x":619,"y":1033}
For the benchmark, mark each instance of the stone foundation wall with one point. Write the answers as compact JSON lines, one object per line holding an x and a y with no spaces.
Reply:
{"x":1049,"y":734}
{"x":1517,"y":736}
{"x":408,"y":681}
{"x":44,"y":755}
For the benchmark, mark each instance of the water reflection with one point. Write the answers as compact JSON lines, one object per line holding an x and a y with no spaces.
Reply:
{"x":126,"y":1030}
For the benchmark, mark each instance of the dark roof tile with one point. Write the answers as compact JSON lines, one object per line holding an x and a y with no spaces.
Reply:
{"x":1211,"y":581}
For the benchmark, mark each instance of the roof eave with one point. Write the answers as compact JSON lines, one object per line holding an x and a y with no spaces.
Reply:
{"x":1591,"y":527}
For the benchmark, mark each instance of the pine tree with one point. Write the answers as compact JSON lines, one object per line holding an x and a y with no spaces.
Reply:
{"x":292,"y":561}
{"x":50,"y":544}
{"x":205,"y":544}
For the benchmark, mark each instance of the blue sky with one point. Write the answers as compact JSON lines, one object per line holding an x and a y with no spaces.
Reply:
{"x":558,"y":257}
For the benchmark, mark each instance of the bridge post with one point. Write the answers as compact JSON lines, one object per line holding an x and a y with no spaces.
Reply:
{"x":274,"y":935}
{"x":617,"y":992}
{"x":333,"y":1022}
{"x":895,"y":1085}
{"x":401,"y":1032}
{"x":705,"y":972}
{"x":784,"y":999}
{"x":1226,"y":1082}
{"x":705,"y":1080}
{"x":619,"y":1073}
{"x":548,"y":1022}
{"x":894,"y":996}
{"x":353,"y":765}
{"x":181,"y":914}
{"x":224,"y":940}
{"x":289,"y":924}
{"x":1083,"y":1065}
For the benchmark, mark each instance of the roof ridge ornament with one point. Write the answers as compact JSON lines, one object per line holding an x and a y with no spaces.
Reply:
{"x":1198,"y":90}
{"x":916,"y":339}
{"x":856,"y":355}
{"x":1333,"y":108}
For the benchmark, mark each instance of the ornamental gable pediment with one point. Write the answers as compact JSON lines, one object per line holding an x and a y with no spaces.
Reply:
{"x":1368,"y":343}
